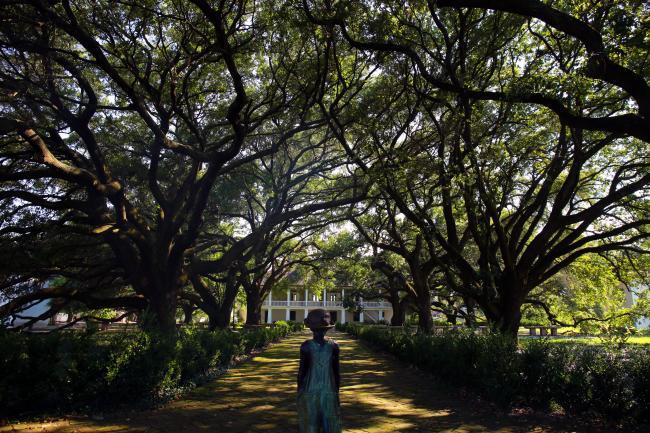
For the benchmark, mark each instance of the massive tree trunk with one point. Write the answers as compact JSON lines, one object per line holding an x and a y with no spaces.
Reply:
{"x":504,"y":313}
{"x":510,"y":317}
{"x":162,"y":306}
{"x":452,"y":318}
{"x":155,"y":269}
{"x":253,"y":307}
{"x":423,"y":301}
{"x":222,"y":317}
{"x":425,"y":320}
{"x":399,"y":309}
{"x":470,"y":310}
{"x":188,"y":311}
{"x":219,"y":311}
{"x":399,"y":316}
{"x":255,"y":293}
{"x":395,"y":283}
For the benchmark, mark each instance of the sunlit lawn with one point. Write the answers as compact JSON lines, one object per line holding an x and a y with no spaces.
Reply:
{"x":636,"y":340}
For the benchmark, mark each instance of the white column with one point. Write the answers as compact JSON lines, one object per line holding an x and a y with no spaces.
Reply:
{"x":381,"y":314}
{"x":270,"y":297}
{"x":286,"y":312}
{"x":343,"y":316}
{"x":324,"y":296}
{"x":306,"y":294}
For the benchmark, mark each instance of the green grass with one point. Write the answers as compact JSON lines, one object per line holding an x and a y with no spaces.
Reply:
{"x":641,"y":340}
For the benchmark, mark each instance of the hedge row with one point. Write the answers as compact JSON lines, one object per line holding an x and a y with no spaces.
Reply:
{"x":614,"y":383}
{"x":96,"y":371}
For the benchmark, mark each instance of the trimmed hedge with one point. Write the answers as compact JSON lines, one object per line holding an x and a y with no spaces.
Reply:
{"x":95,"y":371}
{"x":614,"y":383}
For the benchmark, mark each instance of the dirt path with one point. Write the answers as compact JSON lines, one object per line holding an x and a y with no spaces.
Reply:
{"x":378,"y":394}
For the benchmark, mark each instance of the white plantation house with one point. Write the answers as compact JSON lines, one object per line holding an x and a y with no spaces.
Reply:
{"x":295,"y":302}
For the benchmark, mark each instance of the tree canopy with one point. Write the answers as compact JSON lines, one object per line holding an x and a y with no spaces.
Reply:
{"x":164,"y":154}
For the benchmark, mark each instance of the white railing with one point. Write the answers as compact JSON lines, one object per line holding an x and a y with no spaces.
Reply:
{"x":334,"y":304}
{"x":306,"y":304}
{"x":375,"y":305}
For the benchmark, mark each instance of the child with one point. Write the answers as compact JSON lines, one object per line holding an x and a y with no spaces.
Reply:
{"x":319,"y":378}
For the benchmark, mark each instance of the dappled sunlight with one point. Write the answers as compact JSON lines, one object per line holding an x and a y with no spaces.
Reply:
{"x":479,"y":429}
{"x":263,"y":359}
{"x":70,"y":426}
{"x":378,"y":395}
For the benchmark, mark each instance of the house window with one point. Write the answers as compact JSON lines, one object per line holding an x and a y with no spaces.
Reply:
{"x":356,"y":317}
{"x":292,"y":315}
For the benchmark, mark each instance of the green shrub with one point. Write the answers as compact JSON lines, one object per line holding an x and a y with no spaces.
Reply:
{"x":542,"y":373}
{"x":294,"y":326}
{"x":599,"y":379}
{"x":639,"y":370}
{"x":82,"y":371}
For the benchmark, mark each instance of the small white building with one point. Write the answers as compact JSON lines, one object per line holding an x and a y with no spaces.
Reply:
{"x":295,"y":303}
{"x":37,"y":310}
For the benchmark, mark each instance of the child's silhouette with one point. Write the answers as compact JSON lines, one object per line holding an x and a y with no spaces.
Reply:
{"x":319,"y":378}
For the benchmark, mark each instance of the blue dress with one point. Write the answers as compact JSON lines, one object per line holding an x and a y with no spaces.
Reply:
{"x":318,"y":405}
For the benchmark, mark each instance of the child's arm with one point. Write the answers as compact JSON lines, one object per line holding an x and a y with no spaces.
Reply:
{"x":304,"y":365}
{"x":335,"y":367}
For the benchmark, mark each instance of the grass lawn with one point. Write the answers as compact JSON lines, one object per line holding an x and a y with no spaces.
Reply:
{"x":642,"y":340}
